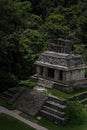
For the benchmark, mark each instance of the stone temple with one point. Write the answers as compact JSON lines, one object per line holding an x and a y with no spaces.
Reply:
{"x":60,"y":68}
{"x":57,"y":68}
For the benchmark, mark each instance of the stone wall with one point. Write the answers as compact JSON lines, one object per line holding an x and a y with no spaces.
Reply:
{"x":75,"y":75}
{"x":55,"y":109}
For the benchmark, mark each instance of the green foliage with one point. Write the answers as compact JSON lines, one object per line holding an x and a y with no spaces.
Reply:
{"x":33,"y":44}
{"x":75,"y":112}
{"x":54,"y":26}
{"x":34,"y":40}
{"x":81,"y":49}
{"x":23,"y":8}
{"x":20,"y":39}
{"x":35,"y":22}
{"x":7,"y":80}
{"x":10,"y":19}
{"x":55,"y":19}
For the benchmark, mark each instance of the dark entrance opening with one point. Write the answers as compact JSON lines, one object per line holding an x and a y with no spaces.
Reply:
{"x":41,"y":71}
{"x":60,"y":75}
{"x":51,"y":73}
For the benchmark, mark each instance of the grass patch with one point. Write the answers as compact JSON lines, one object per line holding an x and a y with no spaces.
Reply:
{"x":61,"y":94}
{"x":4,"y":103}
{"x":51,"y":126}
{"x":28,"y":83}
{"x":57,"y":93}
{"x":10,"y":123}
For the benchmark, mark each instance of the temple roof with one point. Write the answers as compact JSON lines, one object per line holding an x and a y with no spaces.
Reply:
{"x":60,"y":45}
{"x":60,"y":60}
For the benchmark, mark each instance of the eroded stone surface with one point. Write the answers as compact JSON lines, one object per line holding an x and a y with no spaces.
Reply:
{"x":30,"y":101}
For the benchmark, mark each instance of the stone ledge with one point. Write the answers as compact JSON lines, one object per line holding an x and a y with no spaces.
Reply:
{"x":56,"y":119}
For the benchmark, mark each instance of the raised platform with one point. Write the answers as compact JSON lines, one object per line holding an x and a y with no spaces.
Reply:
{"x":65,"y":87}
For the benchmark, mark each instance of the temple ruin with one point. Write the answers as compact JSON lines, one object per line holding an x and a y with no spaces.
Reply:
{"x":60,"y":68}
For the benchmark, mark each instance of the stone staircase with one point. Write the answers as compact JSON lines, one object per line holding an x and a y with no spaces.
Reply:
{"x":44,"y":82}
{"x":54,"y":109}
{"x":30,"y":101}
{"x":80,"y":97}
{"x":6,"y":95}
{"x":11,"y":95}
{"x":84,"y":101}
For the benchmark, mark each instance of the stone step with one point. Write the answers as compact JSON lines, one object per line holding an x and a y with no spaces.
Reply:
{"x":15,"y":96}
{"x":4,"y":97}
{"x":56,"y":99}
{"x":80,"y":96}
{"x":81,"y":82}
{"x":53,"y":111}
{"x":45,"y":83}
{"x":11,"y":91}
{"x":56,"y":106}
{"x":84,"y":102}
{"x":53,"y":117}
{"x":7,"y":95}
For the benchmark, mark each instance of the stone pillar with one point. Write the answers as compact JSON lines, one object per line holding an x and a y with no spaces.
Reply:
{"x":56,"y":75}
{"x":64,"y":76}
{"x":38,"y":70}
{"x":68,"y":76}
{"x":45,"y":72}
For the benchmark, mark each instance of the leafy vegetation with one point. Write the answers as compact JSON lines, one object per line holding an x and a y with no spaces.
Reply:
{"x":75,"y":112}
{"x":10,"y":123}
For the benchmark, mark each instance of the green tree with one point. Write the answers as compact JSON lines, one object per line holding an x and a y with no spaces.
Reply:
{"x":54,"y":27}
{"x":75,"y":112}
{"x":33,"y":44}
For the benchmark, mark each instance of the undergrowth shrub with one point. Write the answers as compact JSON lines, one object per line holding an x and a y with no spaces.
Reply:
{"x":75,"y":112}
